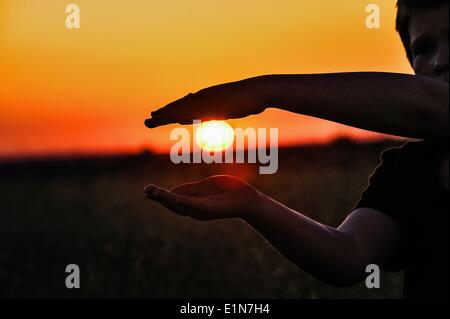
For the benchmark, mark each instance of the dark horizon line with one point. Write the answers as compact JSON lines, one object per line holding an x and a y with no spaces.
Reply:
{"x":45,"y":156}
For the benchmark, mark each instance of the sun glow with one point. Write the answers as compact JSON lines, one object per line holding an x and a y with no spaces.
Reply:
{"x":214,"y":136}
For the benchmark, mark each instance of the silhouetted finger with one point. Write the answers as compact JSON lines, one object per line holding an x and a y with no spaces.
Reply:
{"x":193,"y":188}
{"x":188,"y":189}
{"x":157,"y":112}
{"x":225,"y":182}
{"x":159,"y":121}
{"x":165,"y":120}
{"x":172,"y":106}
{"x":180,"y":204}
{"x":166,"y":198}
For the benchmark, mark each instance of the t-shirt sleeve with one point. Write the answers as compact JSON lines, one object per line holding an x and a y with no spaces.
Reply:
{"x":386,"y":189}
{"x":388,"y":192}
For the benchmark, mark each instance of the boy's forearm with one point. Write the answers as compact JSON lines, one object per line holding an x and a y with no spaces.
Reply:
{"x":397,"y":104}
{"x":322,"y":251}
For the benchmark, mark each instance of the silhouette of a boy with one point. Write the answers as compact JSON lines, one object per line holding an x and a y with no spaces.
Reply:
{"x":401,"y":221}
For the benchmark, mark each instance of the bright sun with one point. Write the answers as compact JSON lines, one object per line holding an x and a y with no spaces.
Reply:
{"x":214,"y":136}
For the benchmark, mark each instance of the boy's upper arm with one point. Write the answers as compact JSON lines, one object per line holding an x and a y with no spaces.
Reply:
{"x":377,"y":236}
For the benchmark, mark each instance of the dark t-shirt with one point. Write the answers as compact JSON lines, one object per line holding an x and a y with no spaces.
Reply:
{"x":406,"y":186}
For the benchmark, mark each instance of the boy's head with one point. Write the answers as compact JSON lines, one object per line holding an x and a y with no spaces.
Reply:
{"x":423,"y":28}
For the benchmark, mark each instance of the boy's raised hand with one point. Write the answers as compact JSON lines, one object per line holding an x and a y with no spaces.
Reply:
{"x":220,"y":102}
{"x":215,"y":197}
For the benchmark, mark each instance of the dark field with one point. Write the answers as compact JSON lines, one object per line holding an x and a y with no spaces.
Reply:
{"x":93,"y":212}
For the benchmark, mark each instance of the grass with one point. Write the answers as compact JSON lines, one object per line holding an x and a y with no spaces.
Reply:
{"x":92,"y":212}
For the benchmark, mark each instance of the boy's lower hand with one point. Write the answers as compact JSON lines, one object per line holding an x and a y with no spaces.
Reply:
{"x":215,"y":197}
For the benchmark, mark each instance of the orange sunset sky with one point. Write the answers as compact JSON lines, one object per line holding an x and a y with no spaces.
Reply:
{"x":90,"y":89}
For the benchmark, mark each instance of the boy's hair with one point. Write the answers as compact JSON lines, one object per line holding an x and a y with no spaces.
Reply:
{"x":405,"y":9}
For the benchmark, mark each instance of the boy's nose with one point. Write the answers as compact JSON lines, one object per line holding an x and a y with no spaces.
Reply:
{"x":441,"y":71}
{"x":440,"y":65}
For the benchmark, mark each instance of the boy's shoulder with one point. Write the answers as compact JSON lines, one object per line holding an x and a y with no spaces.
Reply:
{"x":411,"y":166}
{"x":414,"y":152}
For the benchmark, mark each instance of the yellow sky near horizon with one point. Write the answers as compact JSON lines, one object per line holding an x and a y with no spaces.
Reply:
{"x":90,"y":89}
